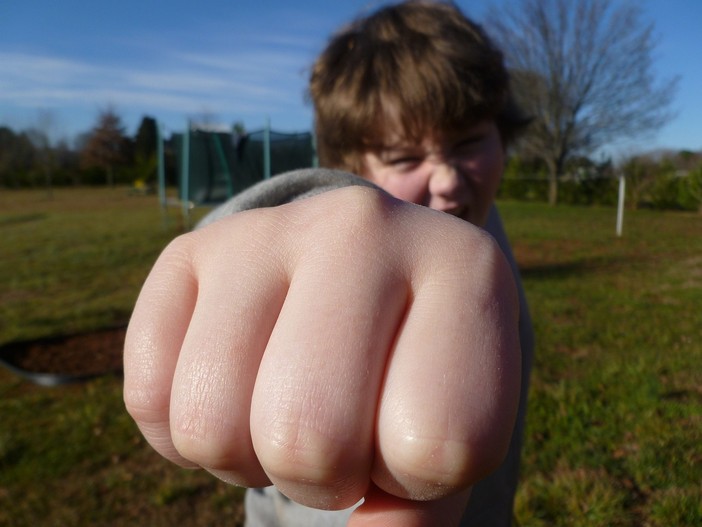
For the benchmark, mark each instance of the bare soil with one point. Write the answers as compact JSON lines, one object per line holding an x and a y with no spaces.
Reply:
{"x":83,"y":355}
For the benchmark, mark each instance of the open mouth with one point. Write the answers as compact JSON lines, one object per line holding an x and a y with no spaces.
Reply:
{"x":460,"y":212}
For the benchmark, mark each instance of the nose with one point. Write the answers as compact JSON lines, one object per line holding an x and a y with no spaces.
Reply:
{"x":447,"y":187}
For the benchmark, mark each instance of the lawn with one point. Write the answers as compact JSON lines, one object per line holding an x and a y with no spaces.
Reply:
{"x":615,"y":416}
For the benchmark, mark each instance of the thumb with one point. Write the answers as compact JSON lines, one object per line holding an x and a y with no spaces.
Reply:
{"x":380,"y":509}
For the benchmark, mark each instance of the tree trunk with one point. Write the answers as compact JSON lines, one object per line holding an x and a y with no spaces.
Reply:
{"x":552,"y":189}
{"x":552,"y":183}
{"x":47,"y":181}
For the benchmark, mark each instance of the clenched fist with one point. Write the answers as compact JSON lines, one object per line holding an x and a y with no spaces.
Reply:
{"x":345,"y":346}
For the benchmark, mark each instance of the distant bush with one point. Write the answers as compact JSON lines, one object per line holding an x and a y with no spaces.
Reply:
{"x":588,"y":191}
{"x":665,"y":182}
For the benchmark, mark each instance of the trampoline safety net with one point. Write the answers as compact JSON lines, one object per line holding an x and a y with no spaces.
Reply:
{"x":220,"y":165}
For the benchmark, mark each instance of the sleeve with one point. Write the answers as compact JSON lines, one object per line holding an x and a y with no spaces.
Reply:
{"x":526,"y":333}
{"x":491,"y":501}
{"x":284,"y":188}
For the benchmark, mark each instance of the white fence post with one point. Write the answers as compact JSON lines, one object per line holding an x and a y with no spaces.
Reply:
{"x":620,"y":206}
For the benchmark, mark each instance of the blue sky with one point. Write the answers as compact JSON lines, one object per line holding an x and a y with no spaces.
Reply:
{"x":235,"y":60}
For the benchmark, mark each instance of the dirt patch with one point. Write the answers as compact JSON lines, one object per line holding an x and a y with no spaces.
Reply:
{"x":71,"y":357}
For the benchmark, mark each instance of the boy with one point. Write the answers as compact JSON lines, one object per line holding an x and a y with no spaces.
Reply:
{"x":352,"y":345}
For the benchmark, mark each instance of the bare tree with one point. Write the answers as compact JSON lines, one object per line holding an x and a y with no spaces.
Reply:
{"x":105,"y":147}
{"x":583,"y":69}
{"x":40,"y":136}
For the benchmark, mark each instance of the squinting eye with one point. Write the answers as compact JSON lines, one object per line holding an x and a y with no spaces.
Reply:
{"x":405,"y":163}
{"x":468,"y":145}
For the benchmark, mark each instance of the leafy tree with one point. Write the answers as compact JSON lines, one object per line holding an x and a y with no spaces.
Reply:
{"x":583,"y":70}
{"x":239,"y":129}
{"x":17,"y":155}
{"x":640,"y":173}
{"x":146,"y":138}
{"x":686,"y":170}
{"x":145,"y":150}
{"x":694,"y":186}
{"x":523,"y":179}
{"x":106,"y":147}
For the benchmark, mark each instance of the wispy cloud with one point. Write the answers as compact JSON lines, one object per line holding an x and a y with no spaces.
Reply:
{"x":254,"y":82}
{"x":32,"y":79}
{"x":233,"y":62}
{"x":25,"y":70}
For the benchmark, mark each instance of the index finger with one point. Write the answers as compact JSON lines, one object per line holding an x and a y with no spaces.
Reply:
{"x":152,"y":346}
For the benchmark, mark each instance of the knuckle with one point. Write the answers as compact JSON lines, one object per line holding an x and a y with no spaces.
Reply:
{"x":193,"y":442}
{"x":290,"y":453}
{"x":352,"y":211}
{"x":430,"y":468}
{"x":141,"y":407}
{"x":434,"y":462}
{"x":206,"y":442}
{"x":144,"y":399}
{"x":316,"y":470}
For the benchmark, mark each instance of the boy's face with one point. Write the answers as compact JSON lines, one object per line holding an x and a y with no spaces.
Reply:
{"x":457,"y":173}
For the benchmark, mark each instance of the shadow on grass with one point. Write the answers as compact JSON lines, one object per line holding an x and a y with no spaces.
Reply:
{"x":18,"y":219}
{"x":578,"y":267}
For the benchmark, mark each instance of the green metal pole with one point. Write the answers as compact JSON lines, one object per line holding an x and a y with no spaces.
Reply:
{"x":315,"y":157}
{"x":267,"y":149}
{"x":161,"y":167}
{"x":223,"y":164}
{"x":185,"y":178}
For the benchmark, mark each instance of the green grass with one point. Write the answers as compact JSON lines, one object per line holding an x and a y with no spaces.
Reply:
{"x":71,"y":455}
{"x":615,"y":415}
{"x":76,"y":261}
